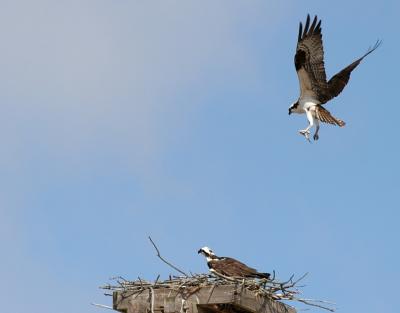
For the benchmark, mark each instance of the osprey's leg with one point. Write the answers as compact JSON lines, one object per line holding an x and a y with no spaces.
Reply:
{"x":316,"y":136}
{"x":306,"y":132}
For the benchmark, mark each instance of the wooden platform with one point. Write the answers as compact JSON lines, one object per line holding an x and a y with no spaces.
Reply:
{"x":207,"y":299}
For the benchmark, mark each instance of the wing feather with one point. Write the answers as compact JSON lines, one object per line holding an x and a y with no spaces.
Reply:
{"x":300,"y":32}
{"x":337,"y":83}
{"x":306,"y":26}
{"x":309,"y":58}
{"x":233,"y":268}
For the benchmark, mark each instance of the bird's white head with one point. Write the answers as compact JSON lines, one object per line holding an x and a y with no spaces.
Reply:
{"x":206,"y":251}
{"x":294,"y":107}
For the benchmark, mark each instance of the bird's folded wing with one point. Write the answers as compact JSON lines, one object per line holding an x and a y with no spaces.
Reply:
{"x":232,"y":267}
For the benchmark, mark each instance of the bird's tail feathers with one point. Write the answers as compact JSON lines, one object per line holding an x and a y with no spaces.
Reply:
{"x":325,"y":116}
{"x":263,"y":275}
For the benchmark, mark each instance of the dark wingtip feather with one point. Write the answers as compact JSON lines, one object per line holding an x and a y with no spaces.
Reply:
{"x":374,"y":47}
{"x":306,"y":26}
{"x":313,"y":24}
{"x":300,"y":31}
{"x":318,"y":27}
{"x":315,"y":27}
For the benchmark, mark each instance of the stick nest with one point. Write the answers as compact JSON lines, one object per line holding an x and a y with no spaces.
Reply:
{"x":187,"y":285}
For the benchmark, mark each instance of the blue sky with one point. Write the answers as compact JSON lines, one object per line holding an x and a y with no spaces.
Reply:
{"x":123,"y":119}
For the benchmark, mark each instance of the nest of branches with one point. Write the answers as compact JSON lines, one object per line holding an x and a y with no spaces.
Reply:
{"x":187,"y":285}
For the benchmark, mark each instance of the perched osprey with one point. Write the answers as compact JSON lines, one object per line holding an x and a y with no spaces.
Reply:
{"x":314,"y":89}
{"x":229,"y":267}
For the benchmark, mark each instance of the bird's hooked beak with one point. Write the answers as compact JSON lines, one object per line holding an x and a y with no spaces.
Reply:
{"x":199,"y":251}
{"x":290,"y":111}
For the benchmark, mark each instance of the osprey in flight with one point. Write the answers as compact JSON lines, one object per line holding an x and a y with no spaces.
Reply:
{"x":229,"y":267}
{"x":315,"y":90}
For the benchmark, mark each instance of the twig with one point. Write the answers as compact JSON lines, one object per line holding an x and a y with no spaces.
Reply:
{"x":305,"y":274}
{"x":273,"y":275}
{"x":155,"y":283}
{"x":318,"y":301}
{"x":102,"y":306}
{"x":316,"y":305}
{"x":152,"y":300}
{"x":165,"y":261}
{"x":223,"y":276}
{"x":141,"y":283}
{"x":211,"y":292}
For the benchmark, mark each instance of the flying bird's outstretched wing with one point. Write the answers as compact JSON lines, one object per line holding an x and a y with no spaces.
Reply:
{"x":340,"y":80}
{"x":310,"y":67}
{"x":309,"y":59}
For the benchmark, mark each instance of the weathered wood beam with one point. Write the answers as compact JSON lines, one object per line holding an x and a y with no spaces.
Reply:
{"x":207,"y":299}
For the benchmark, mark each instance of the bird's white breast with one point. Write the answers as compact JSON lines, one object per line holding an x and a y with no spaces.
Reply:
{"x":305,"y":103}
